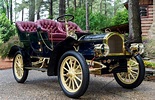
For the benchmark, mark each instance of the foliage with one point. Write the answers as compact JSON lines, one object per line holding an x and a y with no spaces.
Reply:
{"x":6,"y":28}
{"x":121,"y":17}
{"x":97,"y":20}
{"x":149,"y":64}
{"x":5,"y":47}
{"x":79,"y":16}
{"x":149,"y":46}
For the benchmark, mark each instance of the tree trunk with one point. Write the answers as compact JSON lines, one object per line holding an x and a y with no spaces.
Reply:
{"x":38,"y":8}
{"x":105,"y":8}
{"x":51,"y":9}
{"x":22,"y":14}
{"x":87,"y":15}
{"x":31,"y":10}
{"x":134,"y":21}
{"x":67,"y":3}
{"x":23,"y":11}
{"x":15,"y":10}
{"x":7,"y":8}
{"x":74,"y":4}
{"x":62,"y":7}
{"x":11,"y":11}
{"x":101,"y":6}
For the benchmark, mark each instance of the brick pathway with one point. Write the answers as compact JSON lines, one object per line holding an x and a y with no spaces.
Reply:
{"x":5,"y":64}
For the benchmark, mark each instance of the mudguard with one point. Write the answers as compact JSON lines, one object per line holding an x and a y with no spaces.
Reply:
{"x":58,"y":51}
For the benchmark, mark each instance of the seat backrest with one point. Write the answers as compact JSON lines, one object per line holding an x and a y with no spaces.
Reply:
{"x":26,"y":26}
{"x":50,"y":25}
{"x":71,"y":26}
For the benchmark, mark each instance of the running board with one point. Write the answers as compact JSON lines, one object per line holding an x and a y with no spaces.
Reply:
{"x":38,"y":69}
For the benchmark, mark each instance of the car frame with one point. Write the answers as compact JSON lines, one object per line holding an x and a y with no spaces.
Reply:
{"x":77,"y":56}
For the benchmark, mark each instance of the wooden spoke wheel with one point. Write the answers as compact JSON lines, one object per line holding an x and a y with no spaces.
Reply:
{"x":73,"y":74}
{"x":20,"y":74}
{"x":134,"y":75}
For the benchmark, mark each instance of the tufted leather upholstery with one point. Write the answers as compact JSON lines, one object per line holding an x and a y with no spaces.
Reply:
{"x":71,"y":26}
{"x":26,"y":26}
{"x":53,"y":29}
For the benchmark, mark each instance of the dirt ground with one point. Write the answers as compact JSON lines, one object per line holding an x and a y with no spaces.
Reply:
{"x":5,"y":64}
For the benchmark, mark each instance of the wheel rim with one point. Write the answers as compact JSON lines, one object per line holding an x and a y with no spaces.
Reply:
{"x":18,"y":66}
{"x":71,"y":74}
{"x":132,"y":73}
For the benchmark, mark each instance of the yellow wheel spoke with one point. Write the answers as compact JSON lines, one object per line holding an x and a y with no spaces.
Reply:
{"x":64,"y":74}
{"x":76,"y":83}
{"x":132,"y":75}
{"x":68,"y":65}
{"x":78,"y":73}
{"x":70,"y":83}
{"x":129,"y":77}
{"x":136,"y":64}
{"x":17,"y":64}
{"x":77,"y":67}
{"x":71,"y":63}
{"x":73,"y":84}
{"x":74,"y":64}
{"x":134,"y":72}
{"x":78,"y":78}
{"x":67,"y":80}
{"x":66,"y":69}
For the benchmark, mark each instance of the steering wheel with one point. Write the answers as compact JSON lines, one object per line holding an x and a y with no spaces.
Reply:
{"x":65,"y":18}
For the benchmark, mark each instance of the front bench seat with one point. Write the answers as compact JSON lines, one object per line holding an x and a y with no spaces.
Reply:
{"x":71,"y":27}
{"x":53,"y":28}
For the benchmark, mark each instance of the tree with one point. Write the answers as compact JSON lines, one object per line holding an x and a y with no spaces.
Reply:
{"x":134,"y":21}
{"x":31,"y":10}
{"x":62,"y":7}
{"x":51,"y":9}
{"x":11,"y":20}
{"x":87,"y":15}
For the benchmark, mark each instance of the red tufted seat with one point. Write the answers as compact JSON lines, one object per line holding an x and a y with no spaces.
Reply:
{"x":71,"y":26}
{"x":26,"y":26}
{"x":53,"y":29}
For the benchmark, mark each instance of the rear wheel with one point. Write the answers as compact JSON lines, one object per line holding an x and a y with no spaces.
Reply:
{"x":73,"y":74}
{"x":20,"y":74}
{"x":134,"y":75}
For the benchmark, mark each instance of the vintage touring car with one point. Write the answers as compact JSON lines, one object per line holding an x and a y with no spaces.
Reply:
{"x":62,"y":49}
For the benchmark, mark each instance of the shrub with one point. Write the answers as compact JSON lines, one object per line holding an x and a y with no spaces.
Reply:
{"x":5,"y":47}
{"x":149,"y":46}
{"x":6,"y":28}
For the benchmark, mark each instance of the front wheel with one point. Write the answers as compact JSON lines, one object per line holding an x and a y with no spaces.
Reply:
{"x":20,"y":74}
{"x":134,"y":75}
{"x":73,"y":74}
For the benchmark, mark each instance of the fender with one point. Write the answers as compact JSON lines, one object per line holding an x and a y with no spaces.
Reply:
{"x":56,"y":54}
{"x":26,"y":58}
{"x":13,"y":51}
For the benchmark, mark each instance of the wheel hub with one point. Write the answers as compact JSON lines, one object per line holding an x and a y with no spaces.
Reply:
{"x":71,"y":74}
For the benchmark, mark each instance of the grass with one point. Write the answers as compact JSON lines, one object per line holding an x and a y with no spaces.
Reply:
{"x":149,"y":64}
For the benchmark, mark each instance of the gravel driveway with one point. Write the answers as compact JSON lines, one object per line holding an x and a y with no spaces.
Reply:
{"x":41,"y":87}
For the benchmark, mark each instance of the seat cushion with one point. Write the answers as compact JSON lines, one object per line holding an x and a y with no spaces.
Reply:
{"x":26,"y":26}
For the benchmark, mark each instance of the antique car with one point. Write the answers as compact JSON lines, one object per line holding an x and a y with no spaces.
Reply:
{"x":62,"y":49}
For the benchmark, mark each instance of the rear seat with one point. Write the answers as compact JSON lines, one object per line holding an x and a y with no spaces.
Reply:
{"x":24,"y":27}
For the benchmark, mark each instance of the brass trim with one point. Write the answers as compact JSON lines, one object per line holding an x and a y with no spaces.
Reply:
{"x":95,"y":67}
{"x":40,"y":61}
{"x":106,"y":38}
